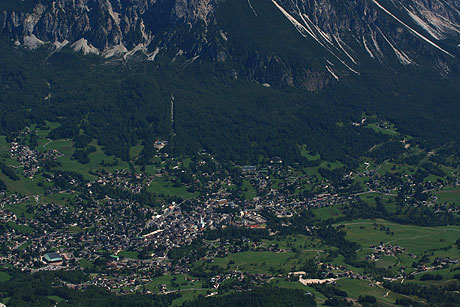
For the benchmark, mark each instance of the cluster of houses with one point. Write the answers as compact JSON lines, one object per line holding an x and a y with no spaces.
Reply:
{"x":31,"y":159}
{"x":385,"y":250}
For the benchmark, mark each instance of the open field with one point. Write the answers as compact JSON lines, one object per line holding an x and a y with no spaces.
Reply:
{"x":188,"y":287}
{"x":355,"y":288}
{"x":24,"y":186}
{"x":166,"y":188}
{"x":389,"y":131}
{"x":407,"y":236}
{"x":418,"y":241}
{"x":95,"y":159}
{"x":4,"y":276}
{"x":21,"y":228}
{"x":58,"y":198}
{"x":4,"y":154}
{"x":23,"y":209}
{"x":298,"y":249}
{"x":306,"y":153}
{"x":135,"y":151}
{"x":249,"y":191}
{"x":450,"y":195}
{"x":257,"y":262}
{"x":283,"y":283}
{"x":128,"y":254}
{"x":325,"y":213}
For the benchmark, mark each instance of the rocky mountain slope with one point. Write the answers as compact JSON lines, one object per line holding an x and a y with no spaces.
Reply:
{"x":306,"y":43}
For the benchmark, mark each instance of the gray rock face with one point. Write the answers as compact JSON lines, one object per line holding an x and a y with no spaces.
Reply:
{"x":350,"y":33}
{"x":103,"y":23}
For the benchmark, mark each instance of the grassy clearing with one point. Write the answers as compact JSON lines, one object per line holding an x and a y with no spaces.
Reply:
{"x":188,"y":295}
{"x":264,"y":262}
{"x":306,"y":153}
{"x":415,"y":239}
{"x":283,"y":283}
{"x":23,"y":186}
{"x":389,"y":201}
{"x":86,"y":264}
{"x":21,"y":228}
{"x":299,"y":242}
{"x":450,"y":195}
{"x":135,"y":151}
{"x":151,"y":170}
{"x":173,"y":282}
{"x":95,"y":159}
{"x":4,"y":276}
{"x":394,"y":168}
{"x":355,"y":288}
{"x":75,"y":229}
{"x":327,"y":212}
{"x":256,"y":262}
{"x":3,"y":143}
{"x":161,"y":186}
{"x":188,"y":287}
{"x":390,"y":131}
{"x":186,"y":162}
{"x":5,"y":155}
{"x":58,"y":198}
{"x":63,"y":146}
{"x":23,"y":209}
{"x":56,"y":298}
{"x":24,"y":246}
{"x":249,"y":191}
{"x":129,"y":254}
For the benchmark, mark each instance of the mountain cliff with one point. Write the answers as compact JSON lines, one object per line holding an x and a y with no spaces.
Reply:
{"x":306,"y":43}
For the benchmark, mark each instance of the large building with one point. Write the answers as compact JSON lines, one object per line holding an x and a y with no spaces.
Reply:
{"x":53,"y":258}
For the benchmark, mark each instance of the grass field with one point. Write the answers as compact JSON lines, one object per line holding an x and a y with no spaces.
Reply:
{"x":95,"y":159}
{"x":389,"y":201}
{"x":283,"y":283}
{"x":300,"y":242}
{"x":355,"y":288}
{"x":249,"y":191}
{"x":129,"y":254}
{"x":55,"y":298}
{"x":43,"y":131}
{"x":4,"y":154}
{"x":164,"y":187}
{"x":390,"y":131}
{"x":3,"y":147}
{"x":298,"y":250}
{"x":21,"y":228}
{"x":327,"y":212}
{"x":187,"y":286}
{"x":430,"y":241}
{"x":23,"y":186}
{"x":21,"y":209}
{"x":406,"y":236}
{"x":58,"y":198}
{"x":135,"y":151}
{"x":306,"y":153}
{"x":449,"y":195}
{"x":24,"y":246}
{"x":4,"y":276}
{"x":257,"y":262}
{"x":75,"y":229}
{"x":86,"y":264}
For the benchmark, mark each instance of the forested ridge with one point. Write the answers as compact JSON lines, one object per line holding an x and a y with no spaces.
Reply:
{"x":123,"y":103}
